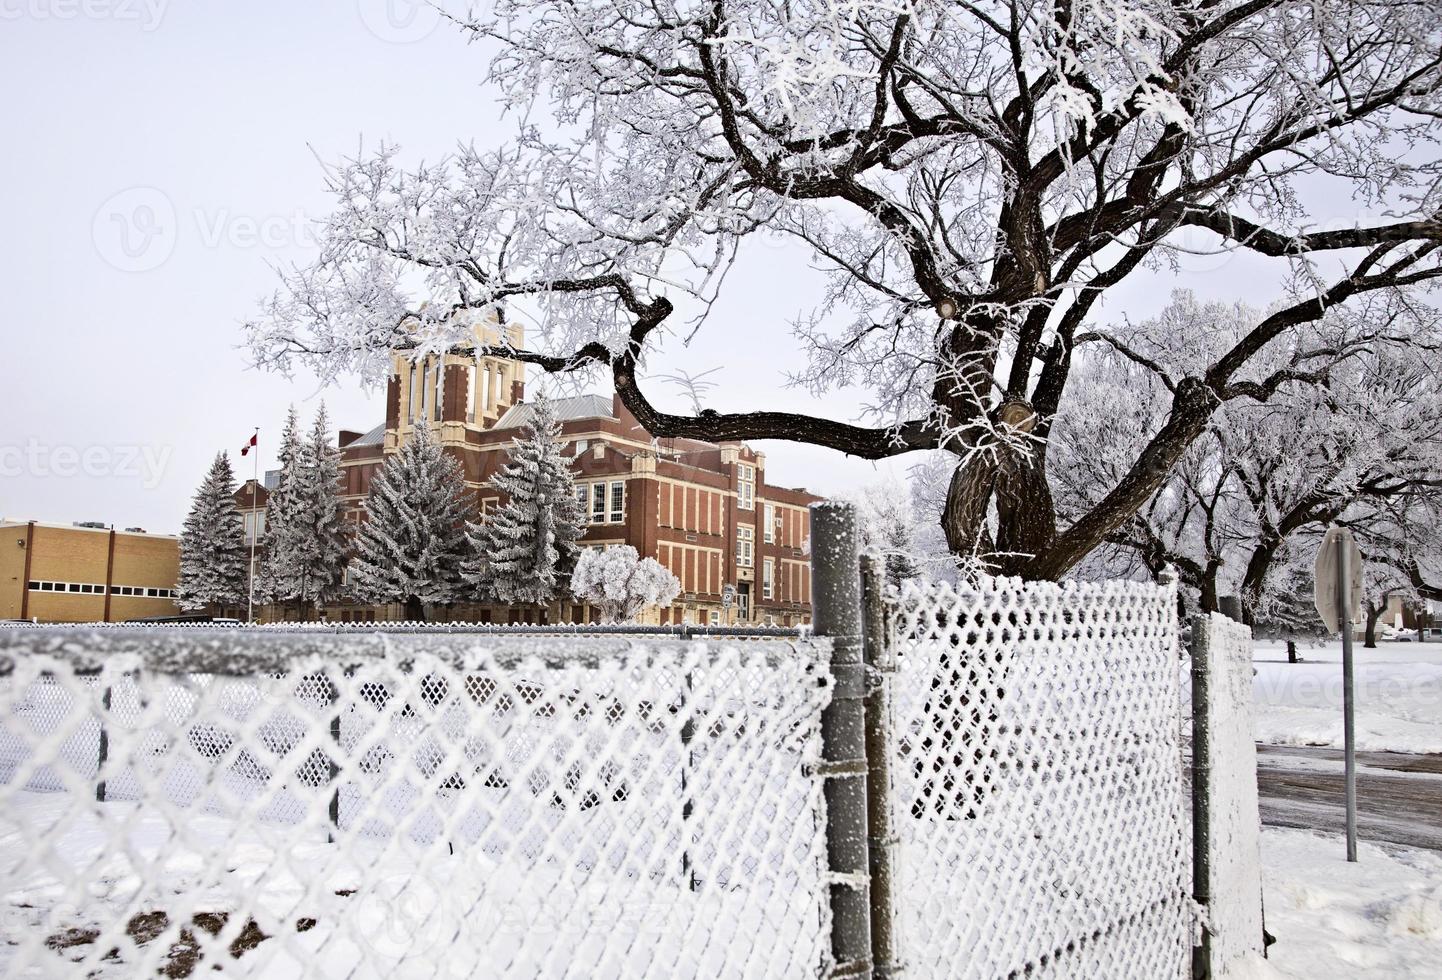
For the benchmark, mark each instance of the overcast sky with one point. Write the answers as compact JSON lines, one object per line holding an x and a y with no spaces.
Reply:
{"x":161,"y":157}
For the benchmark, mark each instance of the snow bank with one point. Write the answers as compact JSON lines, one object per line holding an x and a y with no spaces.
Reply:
{"x":1399,"y":696}
{"x":1380,"y":917}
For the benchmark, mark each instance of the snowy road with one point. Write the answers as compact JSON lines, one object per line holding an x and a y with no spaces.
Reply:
{"x":1399,"y":796}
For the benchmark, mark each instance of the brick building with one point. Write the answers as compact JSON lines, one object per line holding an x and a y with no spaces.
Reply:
{"x":85,"y":573}
{"x":703,"y":510}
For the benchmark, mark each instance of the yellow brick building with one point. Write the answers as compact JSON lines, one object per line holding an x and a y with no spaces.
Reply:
{"x":56,"y":573}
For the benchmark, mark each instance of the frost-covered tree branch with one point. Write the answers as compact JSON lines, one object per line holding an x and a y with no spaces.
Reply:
{"x":973,"y":179}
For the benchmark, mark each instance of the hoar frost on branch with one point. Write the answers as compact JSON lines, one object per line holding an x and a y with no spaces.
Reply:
{"x":974,"y":178}
{"x":1242,"y":512}
{"x":621,"y":584}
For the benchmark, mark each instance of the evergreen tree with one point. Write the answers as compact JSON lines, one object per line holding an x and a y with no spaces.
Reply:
{"x":213,"y":570}
{"x":319,"y":560}
{"x":526,"y":549}
{"x":277,"y":582}
{"x":413,"y":543}
{"x":305,"y":540}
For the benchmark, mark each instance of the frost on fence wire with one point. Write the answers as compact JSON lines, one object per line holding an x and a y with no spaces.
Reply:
{"x":415,"y":806}
{"x":1229,"y":869}
{"x":1038,"y":787}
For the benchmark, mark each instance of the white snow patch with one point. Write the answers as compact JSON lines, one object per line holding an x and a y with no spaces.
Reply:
{"x":1380,"y":917}
{"x":1398,"y":688}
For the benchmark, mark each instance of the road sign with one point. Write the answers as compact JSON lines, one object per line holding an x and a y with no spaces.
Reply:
{"x":1328,"y":587}
{"x":1339,"y":600}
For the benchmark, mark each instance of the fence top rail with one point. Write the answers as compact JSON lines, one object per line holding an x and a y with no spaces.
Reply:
{"x":246,"y":652}
{"x":1073,"y":592}
{"x":408,"y":626}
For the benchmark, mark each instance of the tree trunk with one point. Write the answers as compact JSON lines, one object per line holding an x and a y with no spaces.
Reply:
{"x":967,"y":497}
{"x":1026,"y":513}
{"x":415,"y":610}
{"x":1374,"y":613}
{"x":1292,"y":652}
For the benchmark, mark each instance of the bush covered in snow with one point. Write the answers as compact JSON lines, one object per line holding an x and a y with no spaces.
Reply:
{"x":621,"y":583}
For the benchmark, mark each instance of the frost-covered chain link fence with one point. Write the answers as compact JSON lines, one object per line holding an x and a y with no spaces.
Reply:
{"x":425,"y":806}
{"x":1037,"y":783}
{"x":1228,"y":880}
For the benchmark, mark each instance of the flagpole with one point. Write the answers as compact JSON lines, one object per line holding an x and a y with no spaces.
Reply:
{"x":254,"y":526}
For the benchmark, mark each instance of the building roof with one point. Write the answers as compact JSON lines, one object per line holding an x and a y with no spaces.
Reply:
{"x":565,"y":409}
{"x":375,"y":437}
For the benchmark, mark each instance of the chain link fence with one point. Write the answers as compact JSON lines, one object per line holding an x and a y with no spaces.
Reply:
{"x":1039,"y":800}
{"x":429,"y":805}
{"x":977,"y":782}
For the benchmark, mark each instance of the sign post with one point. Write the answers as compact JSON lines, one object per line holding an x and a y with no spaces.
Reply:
{"x":1339,"y":601}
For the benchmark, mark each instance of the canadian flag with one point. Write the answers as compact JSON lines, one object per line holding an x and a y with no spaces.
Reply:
{"x":250,"y":445}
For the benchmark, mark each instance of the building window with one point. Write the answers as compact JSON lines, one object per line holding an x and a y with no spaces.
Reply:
{"x":440,"y":390}
{"x":471,"y":391}
{"x":745,"y":545}
{"x":715,"y":617}
{"x":745,"y":486}
{"x":768,"y":574}
{"x":618,"y":502}
{"x":598,"y":503}
{"x":254,"y":525}
{"x":768,"y":528}
{"x":413,"y":400}
{"x":583,"y":498}
{"x":581,"y":445}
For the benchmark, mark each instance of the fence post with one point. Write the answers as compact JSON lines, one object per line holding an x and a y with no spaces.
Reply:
{"x":1201,"y":790}
{"x":881,"y":664}
{"x":836,"y":614}
{"x":103,"y":756}
{"x":334,"y":808}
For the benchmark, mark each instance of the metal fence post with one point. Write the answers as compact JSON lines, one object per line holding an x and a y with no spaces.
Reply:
{"x":1201,"y":788}
{"x":881,"y":664}
{"x":334,"y":807}
{"x":836,"y":615}
{"x":103,"y":756}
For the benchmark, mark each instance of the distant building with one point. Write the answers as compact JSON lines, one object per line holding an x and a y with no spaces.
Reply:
{"x":738,"y":544}
{"x":86,"y":573}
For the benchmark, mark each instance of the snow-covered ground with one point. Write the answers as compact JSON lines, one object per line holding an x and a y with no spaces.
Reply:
{"x":1380,"y":917}
{"x":1398,"y":687}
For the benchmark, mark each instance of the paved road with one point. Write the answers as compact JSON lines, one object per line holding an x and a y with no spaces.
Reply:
{"x":1399,"y":796}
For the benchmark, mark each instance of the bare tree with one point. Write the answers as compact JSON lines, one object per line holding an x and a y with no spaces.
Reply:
{"x":976,"y":177}
{"x":1251,"y":497}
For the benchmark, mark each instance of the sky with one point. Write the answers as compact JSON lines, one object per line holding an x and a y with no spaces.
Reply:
{"x":165,"y":157}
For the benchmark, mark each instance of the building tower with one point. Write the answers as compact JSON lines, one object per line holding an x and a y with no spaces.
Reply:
{"x":455,"y":393}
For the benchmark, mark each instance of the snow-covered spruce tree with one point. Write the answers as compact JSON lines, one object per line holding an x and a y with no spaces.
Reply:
{"x":305,"y":539}
{"x":525,"y":549}
{"x":276,"y":580}
{"x":213,"y":572}
{"x":412,"y":544}
{"x":322,"y":544}
{"x":620,"y":583}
